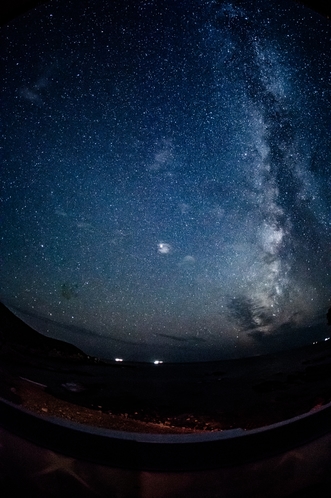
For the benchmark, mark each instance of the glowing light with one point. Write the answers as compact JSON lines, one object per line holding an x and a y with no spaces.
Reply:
{"x":163,"y":248}
{"x":157,"y":362}
{"x":118,"y":359}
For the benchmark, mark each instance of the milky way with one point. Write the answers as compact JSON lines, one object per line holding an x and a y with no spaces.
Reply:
{"x":165,"y":176}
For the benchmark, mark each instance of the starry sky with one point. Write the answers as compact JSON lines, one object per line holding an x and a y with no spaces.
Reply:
{"x":165,"y":181}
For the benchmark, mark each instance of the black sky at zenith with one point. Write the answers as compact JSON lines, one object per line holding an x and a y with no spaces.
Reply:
{"x":165,"y":176}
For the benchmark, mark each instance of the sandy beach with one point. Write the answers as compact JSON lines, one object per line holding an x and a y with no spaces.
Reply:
{"x":55,"y":379}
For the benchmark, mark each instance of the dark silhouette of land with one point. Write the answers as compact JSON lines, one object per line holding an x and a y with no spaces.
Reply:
{"x":54,"y":378}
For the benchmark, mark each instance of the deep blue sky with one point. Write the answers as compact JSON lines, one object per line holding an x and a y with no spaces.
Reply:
{"x":165,"y":176}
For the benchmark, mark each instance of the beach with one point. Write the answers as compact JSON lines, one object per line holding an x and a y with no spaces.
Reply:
{"x":54,"y":379}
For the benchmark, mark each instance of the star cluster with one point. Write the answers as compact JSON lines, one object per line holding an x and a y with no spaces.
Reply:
{"x":165,"y":176}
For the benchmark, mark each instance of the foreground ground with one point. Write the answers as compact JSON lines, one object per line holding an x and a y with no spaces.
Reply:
{"x":54,"y":379}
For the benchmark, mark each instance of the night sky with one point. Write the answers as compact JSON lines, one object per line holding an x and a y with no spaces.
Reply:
{"x":165,"y":180}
